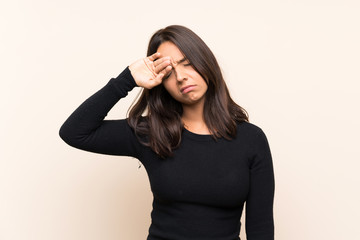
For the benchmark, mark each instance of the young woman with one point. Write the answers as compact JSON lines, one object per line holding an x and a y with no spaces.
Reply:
{"x":203,"y":158}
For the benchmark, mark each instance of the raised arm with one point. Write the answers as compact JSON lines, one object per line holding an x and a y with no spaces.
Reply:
{"x":86,"y":128}
{"x":259,"y":205}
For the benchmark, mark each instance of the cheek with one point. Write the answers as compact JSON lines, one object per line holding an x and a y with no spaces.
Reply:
{"x":202,"y":82}
{"x":170,"y":87}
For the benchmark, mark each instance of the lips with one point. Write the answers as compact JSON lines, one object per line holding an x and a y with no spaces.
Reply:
{"x":184,"y":88}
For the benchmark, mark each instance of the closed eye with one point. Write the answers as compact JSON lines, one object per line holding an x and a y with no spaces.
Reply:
{"x":167,"y":76}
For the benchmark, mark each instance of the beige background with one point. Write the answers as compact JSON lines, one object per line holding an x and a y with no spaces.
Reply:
{"x":294,"y":65}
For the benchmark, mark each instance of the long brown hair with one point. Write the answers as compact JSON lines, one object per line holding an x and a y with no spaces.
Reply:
{"x":156,"y":116}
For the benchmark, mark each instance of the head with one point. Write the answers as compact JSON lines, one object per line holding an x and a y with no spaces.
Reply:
{"x":180,"y":42}
{"x":163,"y":104}
{"x":183,"y":83}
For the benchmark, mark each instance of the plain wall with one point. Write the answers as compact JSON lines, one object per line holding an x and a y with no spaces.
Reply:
{"x":294,"y":65}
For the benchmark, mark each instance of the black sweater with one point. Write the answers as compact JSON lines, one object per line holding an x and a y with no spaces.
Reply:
{"x":199,"y":193}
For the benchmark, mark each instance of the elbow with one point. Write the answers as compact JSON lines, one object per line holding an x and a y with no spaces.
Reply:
{"x":71,"y":137}
{"x":65,"y":135}
{"x":62,"y":134}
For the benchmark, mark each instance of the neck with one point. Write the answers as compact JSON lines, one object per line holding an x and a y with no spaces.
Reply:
{"x":193,"y":118}
{"x":192,"y":115}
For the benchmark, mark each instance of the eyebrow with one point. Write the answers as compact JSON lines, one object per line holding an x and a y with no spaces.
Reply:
{"x":177,"y":62}
{"x":182,"y":60}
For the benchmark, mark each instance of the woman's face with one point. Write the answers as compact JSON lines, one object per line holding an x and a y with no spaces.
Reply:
{"x":183,"y":83}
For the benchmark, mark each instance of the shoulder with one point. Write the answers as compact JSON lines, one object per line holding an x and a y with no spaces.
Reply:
{"x":248,"y":129}
{"x":252,"y":135}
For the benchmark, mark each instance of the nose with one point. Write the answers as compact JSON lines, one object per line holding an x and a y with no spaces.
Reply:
{"x":179,"y":73}
{"x":180,"y":76}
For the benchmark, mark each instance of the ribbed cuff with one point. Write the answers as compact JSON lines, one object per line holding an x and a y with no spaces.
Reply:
{"x":124,"y":83}
{"x":127,"y":74}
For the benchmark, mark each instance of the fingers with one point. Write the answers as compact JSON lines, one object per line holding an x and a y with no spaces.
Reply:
{"x":154,"y":56}
{"x":161,"y":64}
{"x":163,"y":73}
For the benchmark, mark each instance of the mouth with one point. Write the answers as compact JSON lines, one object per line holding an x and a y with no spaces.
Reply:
{"x":186,"y":88}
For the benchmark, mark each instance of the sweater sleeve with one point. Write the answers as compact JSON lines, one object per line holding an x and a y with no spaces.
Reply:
{"x":87,"y":130}
{"x":259,"y":205}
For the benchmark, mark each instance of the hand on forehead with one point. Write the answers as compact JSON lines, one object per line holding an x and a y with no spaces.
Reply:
{"x":175,"y":62}
{"x":172,"y":61}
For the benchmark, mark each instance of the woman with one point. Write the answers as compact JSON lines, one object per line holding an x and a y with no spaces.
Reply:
{"x":203,"y":158}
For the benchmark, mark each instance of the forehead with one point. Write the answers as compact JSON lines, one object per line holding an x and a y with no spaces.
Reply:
{"x":169,"y":49}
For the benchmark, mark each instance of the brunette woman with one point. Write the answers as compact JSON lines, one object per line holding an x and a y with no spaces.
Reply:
{"x":203,"y":157}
